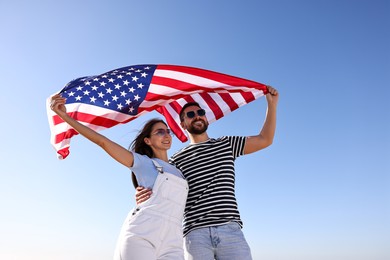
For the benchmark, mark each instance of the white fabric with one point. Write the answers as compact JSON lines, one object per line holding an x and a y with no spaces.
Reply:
{"x":153,"y":230}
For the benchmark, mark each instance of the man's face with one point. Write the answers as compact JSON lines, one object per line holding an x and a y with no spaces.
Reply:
{"x":195,"y":121}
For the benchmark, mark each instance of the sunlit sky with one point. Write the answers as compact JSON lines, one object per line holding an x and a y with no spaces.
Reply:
{"x":320,"y":192}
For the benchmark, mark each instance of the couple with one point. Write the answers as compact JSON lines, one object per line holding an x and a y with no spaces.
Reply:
{"x":203,"y":171}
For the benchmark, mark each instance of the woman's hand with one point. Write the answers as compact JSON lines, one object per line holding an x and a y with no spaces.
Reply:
{"x":57,"y":104}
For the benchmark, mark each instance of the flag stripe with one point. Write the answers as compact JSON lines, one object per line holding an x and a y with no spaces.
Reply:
{"x":213,"y":105}
{"x":65,"y":135}
{"x":188,"y":82}
{"x":172,"y":116}
{"x":212,"y":75}
{"x":248,"y":96}
{"x":229,"y":101}
{"x":162,"y":86}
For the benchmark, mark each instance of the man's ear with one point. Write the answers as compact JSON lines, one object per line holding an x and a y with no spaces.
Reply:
{"x":182,"y":125}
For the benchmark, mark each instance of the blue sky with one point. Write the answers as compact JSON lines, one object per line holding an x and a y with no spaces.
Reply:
{"x":320,"y":192}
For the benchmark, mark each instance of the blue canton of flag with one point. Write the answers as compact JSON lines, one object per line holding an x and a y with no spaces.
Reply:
{"x":121,"y":90}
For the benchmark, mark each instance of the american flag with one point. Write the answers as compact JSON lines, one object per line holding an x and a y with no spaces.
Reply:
{"x":121,"y":95}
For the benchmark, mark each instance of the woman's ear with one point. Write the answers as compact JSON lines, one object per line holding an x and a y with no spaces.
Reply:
{"x":147,"y":141}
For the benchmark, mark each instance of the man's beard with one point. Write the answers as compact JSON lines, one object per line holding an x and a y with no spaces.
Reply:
{"x":196,"y":130}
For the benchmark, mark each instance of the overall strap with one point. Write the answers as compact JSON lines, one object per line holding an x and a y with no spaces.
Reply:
{"x":158,"y":166}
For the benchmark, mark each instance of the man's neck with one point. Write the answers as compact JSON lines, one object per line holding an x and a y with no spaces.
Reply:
{"x":198,"y":138}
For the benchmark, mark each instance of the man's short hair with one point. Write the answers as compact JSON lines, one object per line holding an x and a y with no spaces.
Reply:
{"x":189,"y":104}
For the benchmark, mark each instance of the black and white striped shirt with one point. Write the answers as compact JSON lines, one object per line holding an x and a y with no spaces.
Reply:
{"x":209,"y":170}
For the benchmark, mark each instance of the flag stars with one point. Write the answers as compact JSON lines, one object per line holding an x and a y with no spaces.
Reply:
{"x":119,"y":90}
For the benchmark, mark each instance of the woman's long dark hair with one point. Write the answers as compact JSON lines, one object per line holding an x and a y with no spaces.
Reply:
{"x":139,"y":146}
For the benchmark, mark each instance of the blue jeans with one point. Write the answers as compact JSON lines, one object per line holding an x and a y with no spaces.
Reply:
{"x":224,"y":242}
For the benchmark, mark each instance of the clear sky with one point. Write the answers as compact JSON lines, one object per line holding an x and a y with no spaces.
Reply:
{"x":320,"y":192}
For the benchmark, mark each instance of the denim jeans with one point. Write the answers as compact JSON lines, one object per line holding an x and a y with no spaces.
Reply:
{"x":224,"y":242}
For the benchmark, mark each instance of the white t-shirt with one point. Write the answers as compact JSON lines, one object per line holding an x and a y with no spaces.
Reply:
{"x":146,"y":172}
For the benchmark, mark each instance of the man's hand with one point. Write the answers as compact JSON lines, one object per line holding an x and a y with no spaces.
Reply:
{"x":272,"y":96}
{"x":142,"y":194}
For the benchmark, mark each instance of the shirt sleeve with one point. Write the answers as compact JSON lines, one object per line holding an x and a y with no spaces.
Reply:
{"x":144,"y":170}
{"x":237,"y":143}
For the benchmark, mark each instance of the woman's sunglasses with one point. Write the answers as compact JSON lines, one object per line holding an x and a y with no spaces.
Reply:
{"x":162,"y":132}
{"x":199,"y":112}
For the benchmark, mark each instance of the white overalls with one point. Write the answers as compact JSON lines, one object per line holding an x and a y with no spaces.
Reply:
{"x":153,"y":230}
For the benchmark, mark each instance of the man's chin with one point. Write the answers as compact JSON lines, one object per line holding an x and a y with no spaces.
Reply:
{"x":197,"y":130}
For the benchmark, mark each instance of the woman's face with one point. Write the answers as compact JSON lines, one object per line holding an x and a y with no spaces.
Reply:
{"x":160,"y":137}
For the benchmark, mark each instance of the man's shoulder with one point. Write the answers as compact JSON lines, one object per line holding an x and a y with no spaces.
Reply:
{"x":225,"y":138}
{"x":221,"y":139}
{"x":229,"y":138}
{"x":192,"y":147}
{"x":175,"y":154}
{"x":179,"y":152}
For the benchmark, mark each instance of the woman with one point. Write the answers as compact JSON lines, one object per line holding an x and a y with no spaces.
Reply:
{"x":153,"y":230}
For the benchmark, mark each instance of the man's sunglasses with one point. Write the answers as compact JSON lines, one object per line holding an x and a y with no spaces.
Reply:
{"x":162,"y":132}
{"x":199,"y":112}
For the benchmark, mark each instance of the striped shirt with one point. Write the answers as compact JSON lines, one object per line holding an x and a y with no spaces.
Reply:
{"x":209,"y":170}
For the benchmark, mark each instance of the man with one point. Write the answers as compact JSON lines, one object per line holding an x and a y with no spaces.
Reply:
{"x":212,"y":223}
